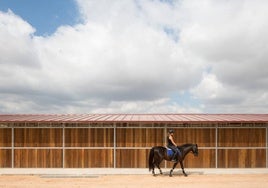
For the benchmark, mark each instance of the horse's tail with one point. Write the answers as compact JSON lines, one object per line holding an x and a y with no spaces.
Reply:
{"x":151,"y":159}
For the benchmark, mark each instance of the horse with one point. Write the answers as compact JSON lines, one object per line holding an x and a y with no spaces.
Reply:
{"x":158,"y":154}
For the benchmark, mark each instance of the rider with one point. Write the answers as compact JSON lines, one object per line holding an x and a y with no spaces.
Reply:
{"x":172,"y":145}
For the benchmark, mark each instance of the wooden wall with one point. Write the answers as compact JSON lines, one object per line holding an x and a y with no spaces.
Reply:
{"x":38,"y":137}
{"x":93,"y":137}
{"x":76,"y":147}
{"x":5,"y":158}
{"x":139,"y":137}
{"x":242,"y":158}
{"x":204,"y":137}
{"x":132,"y":158}
{"x":5,"y":137}
{"x":89,"y":158}
{"x":243,"y":137}
{"x":38,"y":158}
{"x":5,"y":144}
{"x":240,"y":147}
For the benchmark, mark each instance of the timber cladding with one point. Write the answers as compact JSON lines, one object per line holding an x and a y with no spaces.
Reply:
{"x":37,"y":137}
{"x":242,"y":158}
{"x":5,"y":143}
{"x":128,"y":145}
{"x":132,"y":158}
{"x":85,"y":137}
{"x":38,"y":158}
{"x":204,"y":137}
{"x":87,"y":158}
{"x":5,"y":137}
{"x":244,"y":147}
{"x":5,"y":158}
{"x":245,"y":137}
{"x":139,"y":137}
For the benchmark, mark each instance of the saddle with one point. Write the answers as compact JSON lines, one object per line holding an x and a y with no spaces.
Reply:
{"x":170,"y":152}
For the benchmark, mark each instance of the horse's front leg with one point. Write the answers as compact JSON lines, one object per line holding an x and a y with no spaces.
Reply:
{"x":182,"y":167}
{"x":170,"y":173}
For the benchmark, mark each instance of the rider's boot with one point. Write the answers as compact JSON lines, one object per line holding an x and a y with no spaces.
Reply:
{"x":174,"y":158}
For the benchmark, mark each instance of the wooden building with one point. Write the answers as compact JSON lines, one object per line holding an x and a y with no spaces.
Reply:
{"x":124,"y":140}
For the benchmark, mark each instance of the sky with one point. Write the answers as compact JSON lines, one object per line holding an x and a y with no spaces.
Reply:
{"x":133,"y":56}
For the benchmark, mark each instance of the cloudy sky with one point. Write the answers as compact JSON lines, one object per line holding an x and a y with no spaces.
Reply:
{"x":133,"y":56}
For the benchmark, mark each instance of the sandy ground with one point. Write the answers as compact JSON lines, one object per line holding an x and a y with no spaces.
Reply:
{"x":136,"y":181}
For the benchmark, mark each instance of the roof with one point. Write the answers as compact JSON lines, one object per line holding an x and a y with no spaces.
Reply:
{"x":187,"y":118}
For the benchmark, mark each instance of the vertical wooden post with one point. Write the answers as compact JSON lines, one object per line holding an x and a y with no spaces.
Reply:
{"x":63,"y":145}
{"x":216,"y":146}
{"x":266,"y":146}
{"x":165,"y":140}
{"x":114,"y":145}
{"x":12,"y":146}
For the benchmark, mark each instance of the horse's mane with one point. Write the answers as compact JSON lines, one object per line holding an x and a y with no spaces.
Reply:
{"x":185,"y":145}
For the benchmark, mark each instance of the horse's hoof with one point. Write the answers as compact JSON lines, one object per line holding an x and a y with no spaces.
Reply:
{"x":185,"y":175}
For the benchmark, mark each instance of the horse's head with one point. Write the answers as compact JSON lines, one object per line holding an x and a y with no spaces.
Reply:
{"x":195,"y":150}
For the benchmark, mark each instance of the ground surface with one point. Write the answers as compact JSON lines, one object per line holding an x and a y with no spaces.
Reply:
{"x":136,"y":181}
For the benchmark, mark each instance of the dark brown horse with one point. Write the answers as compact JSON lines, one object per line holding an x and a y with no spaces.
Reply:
{"x":159,"y":153}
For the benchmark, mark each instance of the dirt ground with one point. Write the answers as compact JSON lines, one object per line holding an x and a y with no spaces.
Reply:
{"x":136,"y":181}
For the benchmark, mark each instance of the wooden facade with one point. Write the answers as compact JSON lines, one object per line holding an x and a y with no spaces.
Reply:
{"x":127,"y":144}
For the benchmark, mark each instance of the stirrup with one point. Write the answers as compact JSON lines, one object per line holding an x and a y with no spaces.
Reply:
{"x":174,"y":160}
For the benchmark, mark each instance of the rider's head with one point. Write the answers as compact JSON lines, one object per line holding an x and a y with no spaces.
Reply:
{"x":171,"y":131}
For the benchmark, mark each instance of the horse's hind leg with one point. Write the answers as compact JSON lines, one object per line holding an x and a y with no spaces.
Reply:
{"x":153,"y":170}
{"x":158,"y":166}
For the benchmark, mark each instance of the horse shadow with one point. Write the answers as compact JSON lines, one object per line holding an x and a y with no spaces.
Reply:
{"x":180,"y":173}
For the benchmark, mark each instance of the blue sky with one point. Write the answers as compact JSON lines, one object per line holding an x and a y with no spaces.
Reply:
{"x":133,"y":56}
{"x":45,"y":16}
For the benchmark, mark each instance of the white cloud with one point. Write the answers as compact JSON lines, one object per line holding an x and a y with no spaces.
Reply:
{"x":219,"y":97}
{"x":230,"y":37}
{"x":16,"y":38}
{"x":132,"y":56}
